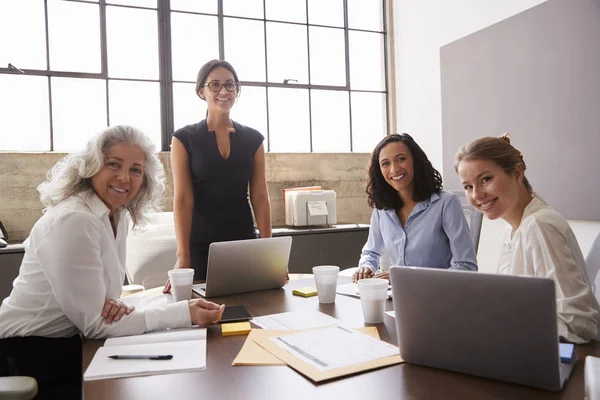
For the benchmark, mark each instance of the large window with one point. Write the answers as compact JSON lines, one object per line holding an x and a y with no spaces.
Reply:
{"x":313,"y":72}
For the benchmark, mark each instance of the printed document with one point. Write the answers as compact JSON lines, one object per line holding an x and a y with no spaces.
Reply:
{"x":334,"y":347}
{"x":295,"y":320}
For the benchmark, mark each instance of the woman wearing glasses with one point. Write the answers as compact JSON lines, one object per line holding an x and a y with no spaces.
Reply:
{"x":214,"y":163}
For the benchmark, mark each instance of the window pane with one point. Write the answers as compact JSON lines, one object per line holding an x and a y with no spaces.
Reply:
{"x":24,"y":98}
{"x":140,"y":3}
{"x":251,"y":109}
{"x":136,"y":104}
{"x":245,"y":48}
{"x":326,"y":12}
{"x":203,"y":6}
{"x":194,"y":40}
{"x":289,"y":128}
{"x":330,"y":121}
{"x":287,"y":52}
{"x":78,"y":111}
{"x":366,"y":61}
{"x":132,"y":49}
{"x":368,"y":120}
{"x":365,"y":14}
{"x":74,"y":42}
{"x":23,"y":26}
{"x":288,"y":10}
{"x":244,"y":8}
{"x":188,"y":108}
{"x":327,"y":57}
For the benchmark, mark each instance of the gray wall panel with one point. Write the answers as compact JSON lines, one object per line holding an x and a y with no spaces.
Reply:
{"x":537,"y":76}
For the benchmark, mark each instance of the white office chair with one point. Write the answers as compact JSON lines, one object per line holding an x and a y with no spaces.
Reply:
{"x":18,"y":388}
{"x":152,"y":251}
{"x":153,"y":281}
{"x":592,"y":263}
{"x":474,"y":217}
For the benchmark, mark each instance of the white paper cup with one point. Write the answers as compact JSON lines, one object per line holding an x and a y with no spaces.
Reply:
{"x":373,"y":294}
{"x":326,"y":277}
{"x":181,"y":283}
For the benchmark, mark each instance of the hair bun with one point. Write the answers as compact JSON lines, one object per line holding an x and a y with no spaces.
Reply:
{"x":505,"y":137}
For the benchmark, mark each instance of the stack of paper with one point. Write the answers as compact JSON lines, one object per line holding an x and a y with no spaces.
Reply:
{"x":295,"y":320}
{"x":186,"y":346}
{"x":323,"y":353}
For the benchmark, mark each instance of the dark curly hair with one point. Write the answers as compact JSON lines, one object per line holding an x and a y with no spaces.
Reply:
{"x":427,"y":180}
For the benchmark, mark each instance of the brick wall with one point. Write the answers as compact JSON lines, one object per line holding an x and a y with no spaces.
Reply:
{"x":20,"y":173}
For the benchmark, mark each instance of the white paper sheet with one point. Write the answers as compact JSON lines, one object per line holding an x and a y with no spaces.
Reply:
{"x":391,"y":314}
{"x":295,"y":320}
{"x":334,"y":347}
{"x":187,"y":356}
{"x":351,"y":289}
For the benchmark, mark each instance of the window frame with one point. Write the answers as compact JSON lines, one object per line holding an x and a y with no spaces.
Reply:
{"x":165,"y":78}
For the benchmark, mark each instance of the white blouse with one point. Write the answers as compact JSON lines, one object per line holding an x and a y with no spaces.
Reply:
{"x":73,"y":263}
{"x":544,"y":245}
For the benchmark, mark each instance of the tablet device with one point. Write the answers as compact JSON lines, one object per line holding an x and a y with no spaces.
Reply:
{"x":235,"y":313}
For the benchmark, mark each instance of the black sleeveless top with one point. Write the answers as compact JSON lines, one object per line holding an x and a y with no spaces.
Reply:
{"x":221,"y":208}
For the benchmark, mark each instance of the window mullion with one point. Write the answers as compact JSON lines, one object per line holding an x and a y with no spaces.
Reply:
{"x":310,"y":138}
{"x":221,"y":30}
{"x":347,"y":55}
{"x":268,"y":133}
{"x":49,"y":83}
{"x":165,"y":73}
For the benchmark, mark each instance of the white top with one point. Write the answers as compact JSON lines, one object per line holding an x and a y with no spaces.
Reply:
{"x":73,"y":263}
{"x":544,"y":245}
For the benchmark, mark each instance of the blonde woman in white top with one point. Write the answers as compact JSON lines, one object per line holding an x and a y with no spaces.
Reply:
{"x":538,"y":240}
{"x":74,"y":263}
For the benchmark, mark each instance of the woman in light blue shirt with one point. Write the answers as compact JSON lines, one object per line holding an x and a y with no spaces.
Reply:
{"x":417,"y":222}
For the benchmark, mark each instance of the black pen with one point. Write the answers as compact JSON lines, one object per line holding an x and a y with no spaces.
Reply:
{"x":142,"y":357}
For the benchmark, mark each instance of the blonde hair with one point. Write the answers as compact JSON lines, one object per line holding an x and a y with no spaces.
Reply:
{"x":497,"y":150}
{"x":72,"y":174}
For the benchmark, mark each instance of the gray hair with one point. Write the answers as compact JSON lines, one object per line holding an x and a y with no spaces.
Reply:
{"x":72,"y":174}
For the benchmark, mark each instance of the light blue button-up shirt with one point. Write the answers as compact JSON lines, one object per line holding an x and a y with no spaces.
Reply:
{"x":435,"y":235}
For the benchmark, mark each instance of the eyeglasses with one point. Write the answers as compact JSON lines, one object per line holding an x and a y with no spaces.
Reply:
{"x":217,"y":86}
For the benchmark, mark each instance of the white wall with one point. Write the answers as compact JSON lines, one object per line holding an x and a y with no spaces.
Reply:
{"x":421,"y":27}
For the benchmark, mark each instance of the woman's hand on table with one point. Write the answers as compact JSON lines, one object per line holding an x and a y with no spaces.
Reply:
{"x":114,"y":310}
{"x":382,"y":275}
{"x":204,"y":313}
{"x":178,"y":264}
{"x":362,"y":273}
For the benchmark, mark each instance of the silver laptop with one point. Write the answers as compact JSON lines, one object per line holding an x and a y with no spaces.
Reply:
{"x":495,"y":326}
{"x":245,"y":266}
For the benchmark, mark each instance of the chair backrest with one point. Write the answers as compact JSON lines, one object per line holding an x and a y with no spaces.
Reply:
{"x":18,"y":388}
{"x":592,"y":262}
{"x":153,"y":250}
{"x":474,"y":217}
{"x":153,"y":281}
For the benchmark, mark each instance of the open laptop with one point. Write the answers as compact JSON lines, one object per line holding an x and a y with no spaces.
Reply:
{"x":245,"y":266}
{"x":495,"y":326}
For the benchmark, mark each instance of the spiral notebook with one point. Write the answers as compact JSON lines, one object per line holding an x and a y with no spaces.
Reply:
{"x":186,"y":346}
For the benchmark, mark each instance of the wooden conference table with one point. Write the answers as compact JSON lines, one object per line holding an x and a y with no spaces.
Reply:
{"x":221,"y":380}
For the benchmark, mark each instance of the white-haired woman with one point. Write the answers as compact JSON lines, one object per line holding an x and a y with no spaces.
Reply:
{"x":74,"y":263}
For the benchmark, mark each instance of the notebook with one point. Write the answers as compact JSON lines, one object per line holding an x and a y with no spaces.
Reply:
{"x":495,"y":326}
{"x":242,"y":266}
{"x":186,"y":346}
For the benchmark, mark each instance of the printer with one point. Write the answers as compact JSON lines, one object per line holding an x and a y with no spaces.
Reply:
{"x":309,"y":206}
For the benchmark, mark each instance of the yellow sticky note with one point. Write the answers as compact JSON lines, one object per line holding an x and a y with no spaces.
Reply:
{"x":235,"y":328}
{"x":305,"y":292}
